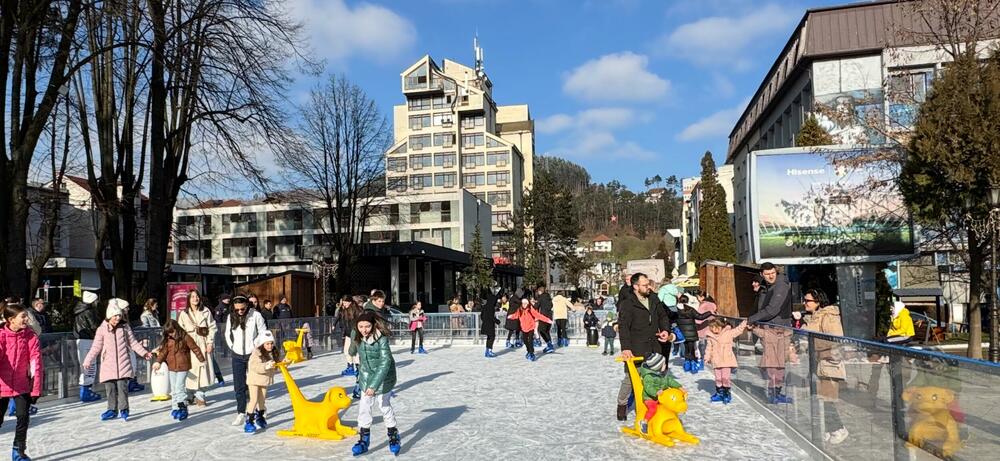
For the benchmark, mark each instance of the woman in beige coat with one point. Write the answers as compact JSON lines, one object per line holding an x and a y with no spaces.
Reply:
{"x":198,"y":322}
{"x":830,"y":370}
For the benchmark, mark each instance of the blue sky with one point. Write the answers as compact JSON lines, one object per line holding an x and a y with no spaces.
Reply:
{"x":626,"y":88}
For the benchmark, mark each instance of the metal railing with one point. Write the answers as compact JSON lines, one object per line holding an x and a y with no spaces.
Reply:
{"x":889,"y":395}
{"x":464,"y":327}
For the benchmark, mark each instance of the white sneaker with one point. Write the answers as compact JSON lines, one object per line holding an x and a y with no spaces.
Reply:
{"x":240,"y":419}
{"x":838,"y":436}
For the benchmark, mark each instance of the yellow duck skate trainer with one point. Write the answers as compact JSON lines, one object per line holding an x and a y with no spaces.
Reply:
{"x":664,"y":427}
{"x":293,"y":349}
{"x":319,"y":420}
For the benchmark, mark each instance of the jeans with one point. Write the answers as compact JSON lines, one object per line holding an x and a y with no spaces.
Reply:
{"x":177,"y":391}
{"x":609,"y":345}
{"x":413,"y":338}
{"x":625,"y":391}
{"x":240,"y":363}
{"x":117,"y":390}
{"x":21,"y":404}
{"x":365,"y":410}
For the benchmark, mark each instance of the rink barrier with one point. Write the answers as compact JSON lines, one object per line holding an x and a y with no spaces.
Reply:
{"x":463,"y":328}
{"x":870,"y":401}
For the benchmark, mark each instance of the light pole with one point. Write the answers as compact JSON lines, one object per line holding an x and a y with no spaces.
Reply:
{"x":994,"y":225}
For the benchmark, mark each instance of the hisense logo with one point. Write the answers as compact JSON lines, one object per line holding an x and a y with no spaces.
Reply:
{"x":805,"y":172}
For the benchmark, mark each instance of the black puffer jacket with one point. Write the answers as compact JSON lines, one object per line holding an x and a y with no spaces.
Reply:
{"x":85,"y":321}
{"x":488,"y":316}
{"x":686,"y":322}
{"x":637,"y":326}
{"x":590,"y":320}
{"x":545,"y":304}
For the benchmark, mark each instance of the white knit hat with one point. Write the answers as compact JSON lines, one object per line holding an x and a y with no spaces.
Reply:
{"x":116,"y":306}
{"x":264,"y":337}
{"x":89,"y":297}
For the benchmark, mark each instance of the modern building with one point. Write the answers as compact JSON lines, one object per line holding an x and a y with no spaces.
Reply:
{"x":451,"y":135}
{"x":870,"y":63}
{"x":694,"y":197}
{"x":687,"y":243}
{"x":413,"y":244}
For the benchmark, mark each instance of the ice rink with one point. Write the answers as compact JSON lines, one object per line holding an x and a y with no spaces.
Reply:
{"x":451,"y":404}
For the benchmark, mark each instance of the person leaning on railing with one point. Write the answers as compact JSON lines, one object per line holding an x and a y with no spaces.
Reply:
{"x":901,"y":329}
{"x":830,"y":372}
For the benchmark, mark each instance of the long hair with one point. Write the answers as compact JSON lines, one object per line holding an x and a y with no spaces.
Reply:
{"x":267,"y":356}
{"x":201,"y":301}
{"x":170,"y":327}
{"x":375,"y":320}
{"x":150,"y":304}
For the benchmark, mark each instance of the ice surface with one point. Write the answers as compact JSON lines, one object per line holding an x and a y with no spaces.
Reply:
{"x":451,"y":404}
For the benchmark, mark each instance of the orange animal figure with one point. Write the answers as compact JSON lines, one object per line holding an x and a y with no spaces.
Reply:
{"x":319,"y":420}
{"x":933,"y":422}
{"x":665,"y":427}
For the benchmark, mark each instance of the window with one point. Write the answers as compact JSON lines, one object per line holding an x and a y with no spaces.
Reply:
{"x":396,"y":184}
{"x":420,"y":142}
{"x":472,"y":122}
{"x":907,"y":91}
{"x":380,"y":236}
{"x":394,"y":214}
{"x":501,"y":218}
{"x":444,"y":139}
{"x":417,"y":79}
{"x":480,"y":196}
{"x":491,"y":142}
{"x":284,"y":220}
{"x":444,"y":159}
{"x":441,"y":237}
{"x":498,"y":158}
{"x":418,"y":103}
{"x":442,"y":102}
{"x":499,"y":198}
{"x":445,"y":211}
{"x":472,"y":160}
{"x":472,"y":140}
{"x":500,"y":178}
{"x":239,"y":248}
{"x":420,"y":181}
{"x":240,"y":222}
{"x":415,"y":211}
{"x":396,"y":164}
{"x":420,"y":161}
{"x":444,"y":180}
{"x":284,"y":245}
{"x":473,"y":180}
{"x":442,"y":119}
{"x":189,"y":249}
{"x":399,"y":150}
{"x":422,"y":235}
{"x":418,"y":122}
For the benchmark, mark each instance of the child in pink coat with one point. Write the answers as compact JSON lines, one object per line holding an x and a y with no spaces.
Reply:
{"x":21,"y":375}
{"x":719,"y":354}
{"x":112,"y":341}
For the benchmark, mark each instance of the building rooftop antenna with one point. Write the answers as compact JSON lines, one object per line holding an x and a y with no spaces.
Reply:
{"x":478,"y":50}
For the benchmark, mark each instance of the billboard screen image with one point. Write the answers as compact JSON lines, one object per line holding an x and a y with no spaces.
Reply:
{"x":809,"y":207}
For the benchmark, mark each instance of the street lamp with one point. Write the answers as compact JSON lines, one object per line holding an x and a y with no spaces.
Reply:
{"x":994,"y":221}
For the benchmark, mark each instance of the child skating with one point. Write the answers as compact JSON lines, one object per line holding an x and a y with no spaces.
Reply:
{"x":21,"y":376}
{"x":112,"y":341}
{"x":719,"y":354}
{"x":260,"y":375}
{"x":417,"y":319}
{"x":176,"y":347}
{"x":527,"y":316}
{"x":687,"y":322}
{"x":609,"y":331}
{"x":655,"y":380}
{"x":377,"y":376}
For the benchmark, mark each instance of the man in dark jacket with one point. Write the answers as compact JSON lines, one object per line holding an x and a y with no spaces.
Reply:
{"x":626,"y":289}
{"x":267,"y":311}
{"x":222,"y":309}
{"x":38,"y":311}
{"x":642,"y":326}
{"x":284,"y":311}
{"x":545,"y":308}
{"x":775,"y":306}
{"x":84,"y":326}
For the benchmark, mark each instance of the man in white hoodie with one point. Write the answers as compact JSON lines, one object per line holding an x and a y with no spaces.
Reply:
{"x":243,"y":325}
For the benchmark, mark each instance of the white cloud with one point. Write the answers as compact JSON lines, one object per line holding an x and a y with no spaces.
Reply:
{"x":600,"y":118}
{"x":723,"y":40}
{"x":591,"y":132}
{"x":339,"y":31}
{"x":721,"y":86}
{"x":554,"y":123}
{"x":719,"y":124}
{"x":615,"y":77}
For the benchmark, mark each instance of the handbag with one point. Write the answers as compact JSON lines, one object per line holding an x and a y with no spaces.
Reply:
{"x":201,"y":331}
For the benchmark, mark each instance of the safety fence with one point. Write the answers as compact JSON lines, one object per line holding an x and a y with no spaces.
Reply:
{"x":465,"y":327}
{"x":882,"y":395}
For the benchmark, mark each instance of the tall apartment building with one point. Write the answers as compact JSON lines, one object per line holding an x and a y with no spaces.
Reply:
{"x":450,"y":134}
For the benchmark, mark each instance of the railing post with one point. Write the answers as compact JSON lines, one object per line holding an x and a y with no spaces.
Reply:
{"x":63,"y":382}
{"x":900,"y":436}
{"x":815,"y":404}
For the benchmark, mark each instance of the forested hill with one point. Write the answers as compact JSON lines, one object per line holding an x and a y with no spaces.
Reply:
{"x":597,"y":205}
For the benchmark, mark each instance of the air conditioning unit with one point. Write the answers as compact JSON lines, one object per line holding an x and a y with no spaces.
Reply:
{"x":417,"y":166}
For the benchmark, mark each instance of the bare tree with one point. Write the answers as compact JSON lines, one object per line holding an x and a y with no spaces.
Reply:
{"x":338,"y":159}
{"x":217,"y":77}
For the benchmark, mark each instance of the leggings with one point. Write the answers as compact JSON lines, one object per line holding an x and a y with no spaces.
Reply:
{"x":528,"y":337}
{"x":775,"y":377}
{"x":543,"y":331}
{"x":21,"y":404}
{"x":690,"y":348}
{"x":561,"y":329}
{"x":723,"y":377}
{"x":257,"y":396}
{"x":665,"y":351}
{"x":413,"y":338}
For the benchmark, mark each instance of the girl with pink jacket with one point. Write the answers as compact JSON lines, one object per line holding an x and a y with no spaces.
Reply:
{"x":21,"y":372}
{"x":719,"y":354}
{"x":112,"y":341}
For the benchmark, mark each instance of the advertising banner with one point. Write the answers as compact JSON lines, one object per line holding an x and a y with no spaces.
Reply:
{"x":653,"y":268}
{"x":826,"y":206}
{"x":177,"y":295}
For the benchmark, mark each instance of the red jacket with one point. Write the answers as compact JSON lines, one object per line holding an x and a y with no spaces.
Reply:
{"x":20,"y":363}
{"x":527,"y":318}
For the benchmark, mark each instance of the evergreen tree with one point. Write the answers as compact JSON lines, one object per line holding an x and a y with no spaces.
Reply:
{"x":812,"y":134}
{"x":715,"y":238}
{"x":479,"y":275}
{"x":952,"y":161}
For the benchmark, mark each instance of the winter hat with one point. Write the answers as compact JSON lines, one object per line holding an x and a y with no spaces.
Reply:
{"x":264,"y":337}
{"x":89,"y":297}
{"x":654,"y":361}
{"x":116,"y":306}
{"x":897,"y":307}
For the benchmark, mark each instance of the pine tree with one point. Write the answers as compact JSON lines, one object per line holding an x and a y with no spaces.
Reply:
{"x":479,"y":275}
{"x":812,"y":134}
{"x":715,"y":238}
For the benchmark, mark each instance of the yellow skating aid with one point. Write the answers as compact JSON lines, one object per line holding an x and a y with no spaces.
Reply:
{"x":665,"y":426}
{"x":319,"y":420}
{"x":293,"y":349}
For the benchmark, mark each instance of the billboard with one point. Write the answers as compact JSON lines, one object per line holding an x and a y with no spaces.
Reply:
{"x":653,"y":268}
{"x":826,"y":206}
{"x":177,"y":293}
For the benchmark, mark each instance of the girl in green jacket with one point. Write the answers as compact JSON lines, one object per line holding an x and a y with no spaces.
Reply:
{"x":376,"y":378}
